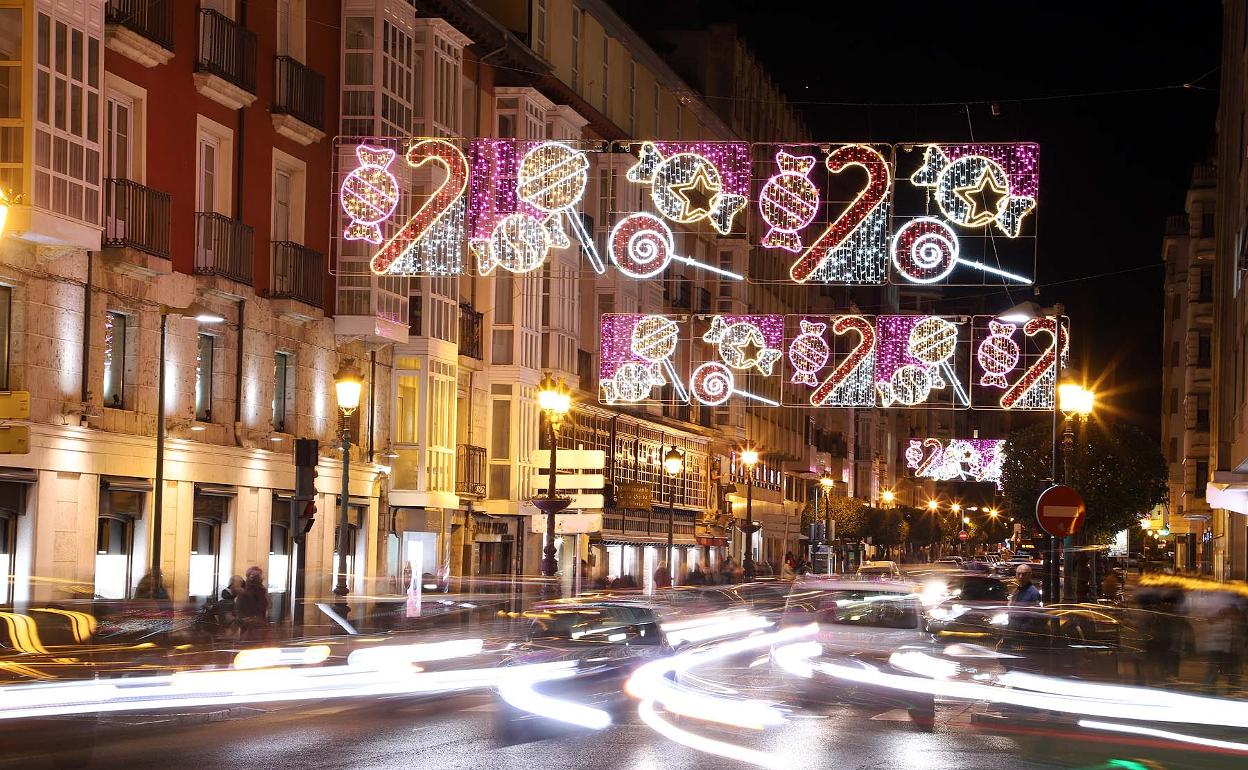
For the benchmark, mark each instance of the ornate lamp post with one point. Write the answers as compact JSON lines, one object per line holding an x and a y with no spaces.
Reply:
{"x":1076,"y":403}
{"x":674,"y":464}
{"x":348,"y":384}
{"x":555,"y":401}
{"x":749,"y":458}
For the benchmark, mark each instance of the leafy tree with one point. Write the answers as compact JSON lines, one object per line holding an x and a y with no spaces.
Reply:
{"x":1117,"y":468}
{"x":850,"y":516}
{"x":886,"y":526}
{"x":923,"y":526}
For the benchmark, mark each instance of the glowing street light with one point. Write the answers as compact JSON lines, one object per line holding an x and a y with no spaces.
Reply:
{"x":933,"y":505}
{"x":749,"y":458}
{"x":555,"y":401}
{"x":348,"y":385}
{"x":888,"y":496}
{"x":674,"y":464}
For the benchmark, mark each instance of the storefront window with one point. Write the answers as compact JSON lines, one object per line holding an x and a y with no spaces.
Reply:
{"x":114,"y":542}
{"x":211,"y":513}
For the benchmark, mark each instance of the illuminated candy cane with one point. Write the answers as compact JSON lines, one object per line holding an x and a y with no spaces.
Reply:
{"x":937,"y":452}
{"x":431,"y":212}
{"x":856,"y":357}
{"x":869,"y":199}
{"x":1049,"y":358}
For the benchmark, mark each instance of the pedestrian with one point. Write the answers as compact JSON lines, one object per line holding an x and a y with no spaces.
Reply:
{"x":786,"y":570}
{"x":725,"y":571}
{"x":253,"y":605}
{"x":1217,"y":626}
{"x":662,"y":576}
{"x":1110,"y":586}
{"x":697,"y":577}
{"x":1026,"y":594}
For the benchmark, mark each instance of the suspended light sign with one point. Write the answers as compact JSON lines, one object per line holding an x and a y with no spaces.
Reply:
{"x":971,"y":459}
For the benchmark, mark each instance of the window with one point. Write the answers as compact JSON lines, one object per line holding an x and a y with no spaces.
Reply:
{"x":1174,"y":450}
{"x":632,"y":98}
{"x":1202,"y":477}
{"x":120,"y":132}
{"x":1175,"y":307}
{"x":12,"y":506}
{"x":209,"y":515}
{"x":283,"y":389}
{"x":114,"y":541}
{"x":502,"y":342}
{"x":207,"y":200}
{"x":67,"y":141}
{"x":203,"y":377}
{"x":500,"y":447}
{"x":118,"y":359}
{"x":355,"y":540}
{"x":539,"y":33}
{"x":577,"y":19}
{"x":280,"y":547}
{"x":1174,"y":400}
{"x":407,"y":408}
{"x":1204,"y":354}
{"x":1202,"y":411}
{"x":1204,"y":292}
{"x":291,"y":23}
{"x":214,"y":163}
{"x":281,"y":205}
{"x":11,"y":152}
{"x":606,"y":74}
{"x":1175,"y":360}
{"x":1206,"y":224}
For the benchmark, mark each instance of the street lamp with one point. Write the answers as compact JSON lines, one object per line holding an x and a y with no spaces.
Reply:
{"x":933,"y":505}
{"x":1075,"y":402}
{"x":201,"y":315}
{"x":749,"y":458}
{"x":348,"y":384}
{"x":826,"y":482}
{"x":555,"y":401}
{"x":674,"y":464}
{"x":888,"y":496}
{"x":956,"y":507}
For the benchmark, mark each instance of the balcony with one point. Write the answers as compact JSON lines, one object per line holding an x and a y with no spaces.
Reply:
{"x":471,"y":326}
{"x":137,"y":217}
{"x":298,"y":101}
{"x":1176,"y":224}
{"x":298,"y":274}
{"x":225,"y":70}
{"x":655,"y":525}
{"x":141,"y":30}
{"x":470,"y":471}
{"x":224,"y":247}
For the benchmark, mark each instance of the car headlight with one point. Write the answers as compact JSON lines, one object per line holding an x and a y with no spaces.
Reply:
{"x":999,"y":619}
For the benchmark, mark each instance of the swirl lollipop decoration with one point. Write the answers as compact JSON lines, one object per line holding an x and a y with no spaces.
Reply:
{"x":642,"y":246}
{"x":552,"y":179}
{"x":712,"y":384}
{"x":925,"y":250}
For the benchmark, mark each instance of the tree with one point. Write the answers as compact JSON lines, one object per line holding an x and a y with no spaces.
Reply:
{"x":1117,"y":468}
{"x":885,"y":526}
{"x":850,"y":516}
{"x":924,"y":525}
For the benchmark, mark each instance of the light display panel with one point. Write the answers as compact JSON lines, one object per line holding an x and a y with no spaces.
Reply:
{"x":640,"y":355}
{"x":830,"y":361}
{"x":824,"y":209}
{"x":964,"y":214}
{"x":404,"y":201}
{"x":959,"y":459}
{"x":526,"y":199}
{"x":1015,"y":365}
{"x":742,"y":355}
{"x":920,"y":360}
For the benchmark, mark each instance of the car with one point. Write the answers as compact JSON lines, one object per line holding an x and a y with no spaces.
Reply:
{"x":1008,"y":566}
{"x":879,"y":569}
{"x":862,"y":620}
{"x":948,"y":562}
{"x":964,"y":603}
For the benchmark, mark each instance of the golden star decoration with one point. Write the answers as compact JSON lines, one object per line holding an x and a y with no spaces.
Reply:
{"x":699,"y":194}
{"x":985,"y":199}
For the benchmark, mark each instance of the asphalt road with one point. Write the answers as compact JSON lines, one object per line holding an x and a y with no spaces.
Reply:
{"x":462,"y":732}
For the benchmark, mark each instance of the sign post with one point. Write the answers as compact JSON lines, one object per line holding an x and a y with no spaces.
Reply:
{"x":1060,"y":512}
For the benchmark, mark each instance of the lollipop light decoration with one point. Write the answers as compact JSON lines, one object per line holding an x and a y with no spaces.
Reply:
{"x":933,"y":341}
{"x":642,"y":245}
{"x":552,"y":178}
{"x":690,"y":182}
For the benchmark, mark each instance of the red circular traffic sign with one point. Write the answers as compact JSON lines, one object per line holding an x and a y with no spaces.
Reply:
{"x":963,"y":535}
{"x":1060,"y":511}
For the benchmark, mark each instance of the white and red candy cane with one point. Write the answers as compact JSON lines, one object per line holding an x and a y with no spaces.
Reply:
{"x":1024,"y":385}
{"x":866,"y":343}
{"x":872,"y":195}
{"x":456,"y":165}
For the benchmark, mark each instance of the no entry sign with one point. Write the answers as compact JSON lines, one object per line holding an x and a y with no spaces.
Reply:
{"x":1060,"y":511}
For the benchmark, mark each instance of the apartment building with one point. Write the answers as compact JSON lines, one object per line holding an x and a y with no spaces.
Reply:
{"x":1227,"y":483}
{"x":1187,"y":360}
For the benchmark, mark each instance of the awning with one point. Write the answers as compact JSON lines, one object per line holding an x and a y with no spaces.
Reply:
{"x":216,"y":490}
{"x":1229,"y":496}
{"x":609,"y":539}
{"x":125,"y":484}
{"x":19,"y":475}
{"x":711,"y":540}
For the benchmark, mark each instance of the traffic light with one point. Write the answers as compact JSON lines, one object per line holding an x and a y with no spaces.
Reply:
{"x":307,"y":455}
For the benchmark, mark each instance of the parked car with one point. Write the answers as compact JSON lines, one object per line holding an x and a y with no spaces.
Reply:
{"x":949,"y":562}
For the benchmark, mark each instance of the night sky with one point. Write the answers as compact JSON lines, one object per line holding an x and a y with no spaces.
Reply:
{"x":1099,"y":85}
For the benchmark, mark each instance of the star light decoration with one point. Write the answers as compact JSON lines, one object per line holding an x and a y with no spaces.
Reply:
{"x":637,"y":350}
{"x":744,"y":343}
{"x":981,"y":184}
{"x":694,"y":181}
{"x":977,"y":460}
{"x":522,"y":192}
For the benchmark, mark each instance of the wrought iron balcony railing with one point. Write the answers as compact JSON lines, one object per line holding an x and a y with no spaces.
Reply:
{"x":225,"y":247}
{"x":136,"y":217}
{"x":470,"y":470}
{"x":299,"y":91}
{"x":153,"y":19}
{"x":226,"y":49}
{"x":298,"y":273}
{"x":471,"y":330}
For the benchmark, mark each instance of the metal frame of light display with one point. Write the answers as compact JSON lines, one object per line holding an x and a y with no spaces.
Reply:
{"x":837,"y":214}
{"x":959,"y":459}
{"x":1015,"y":365}
{"x":641,"y":352}
{"x":964,"y":214}
{"x":747,"y":354}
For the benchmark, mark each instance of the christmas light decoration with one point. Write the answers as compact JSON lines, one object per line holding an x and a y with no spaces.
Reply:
{"x":431,"y":242}
{"x":636,"y":350}
{"x":974,"y":189}
{"x":808,"y":353}
{"x":519,"y":243}
{"x":369,"y":194}
{"x":788,"y":201}
{"x":997,"y":354}
{"x":1013,"y":366}
{"x":925,"y":250}
{"x":690,"y":182}
{"x":852,"y":382}
{"x":642,"y":245}
{"x":552,"y":178}
{"x":978,"y":460}
{"x":1036,"y":388}
{"x":857,"y":240}
{"x":745,"y":342}
{"x":913,"y":359}
{"x":712,"y":384}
